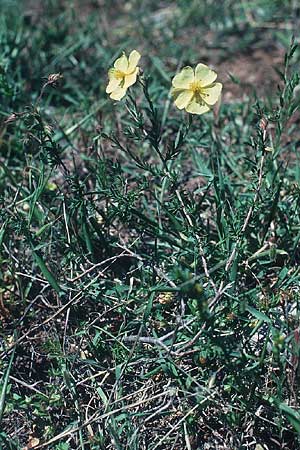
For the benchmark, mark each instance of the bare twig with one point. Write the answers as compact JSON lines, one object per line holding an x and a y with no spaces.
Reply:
{"x":98,"y":417}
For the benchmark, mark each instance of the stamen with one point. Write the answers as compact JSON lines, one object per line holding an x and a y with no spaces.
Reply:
{"x":119,"y":75}
{"x":196,"y":87}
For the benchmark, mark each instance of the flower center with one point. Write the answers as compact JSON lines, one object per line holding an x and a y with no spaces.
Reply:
{"x":196,"y":87}
{"x":119,"y":75}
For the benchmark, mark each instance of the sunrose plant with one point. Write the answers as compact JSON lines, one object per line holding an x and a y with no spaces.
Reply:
{"x":196,"y":90}
{"x":122,"y":75}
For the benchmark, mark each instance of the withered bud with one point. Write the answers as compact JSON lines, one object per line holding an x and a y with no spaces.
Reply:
{"x":269,"y":149}
{"x":48,"y":129}
{"x":263,"y":123}
{"x":165,"y":298}
{"x":12,"y":118}
{"x":54,"y":78}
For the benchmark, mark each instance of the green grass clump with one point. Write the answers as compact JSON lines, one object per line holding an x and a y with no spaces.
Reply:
{"x":149,"y":283}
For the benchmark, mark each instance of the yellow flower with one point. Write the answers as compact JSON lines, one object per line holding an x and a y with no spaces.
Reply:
{"x":122,"y":75}
{"x":196,"y":90}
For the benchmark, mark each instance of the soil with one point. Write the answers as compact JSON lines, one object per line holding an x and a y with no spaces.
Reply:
{"x":255,"y":71}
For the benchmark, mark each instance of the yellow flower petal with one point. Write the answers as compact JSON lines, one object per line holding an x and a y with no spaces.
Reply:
{"x":112,"y":73}
{"x":195,"y":107}
{"x":184,"y":78}
{"x":212,"y":93}
{"x":121,"y":63}
{"x":182,"y":97}
{"x":112,"y":85}
{"x":118,"y":93}
{"x":133,"y":59}
{"x":204,"y":75}
{"x":131,"y":78}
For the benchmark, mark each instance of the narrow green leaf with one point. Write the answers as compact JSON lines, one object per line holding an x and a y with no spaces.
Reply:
{"x":2,"y":231}
{"x":46,"y":272}
{"x":258,"y":314}
{"x":292,"y":415}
